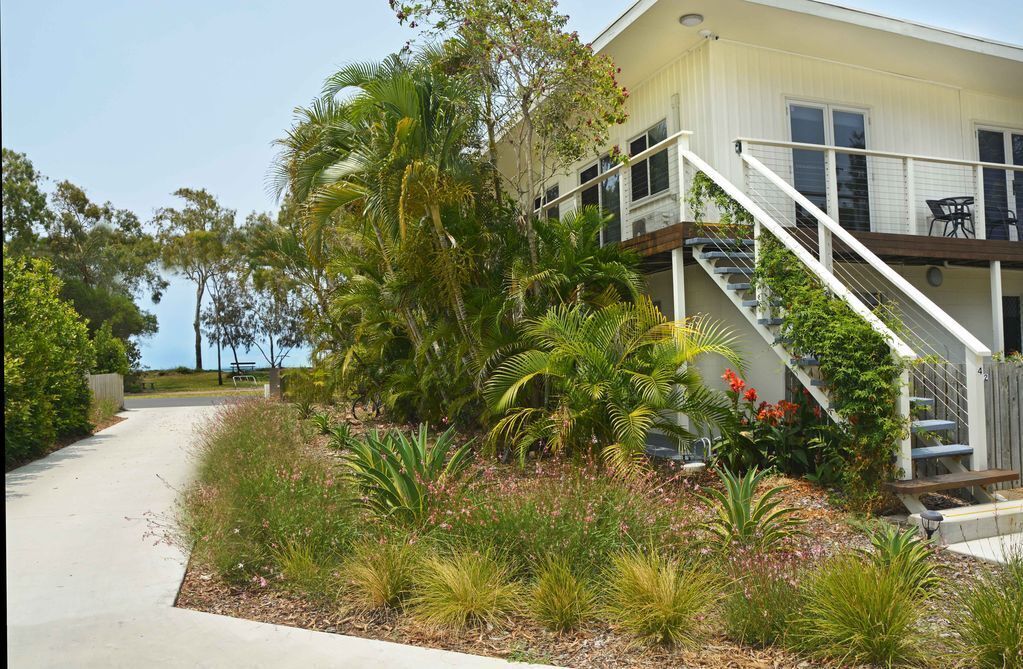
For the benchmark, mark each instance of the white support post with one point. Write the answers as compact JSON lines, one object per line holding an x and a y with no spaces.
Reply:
{"x":909,"y":173}
{"x":979,"y":222}
{"x":678,"y":298}
{"x":997,"y":317}
{"x":905,"y":460}
{"x":976,"y":409}
{"x":684,"y":215}
{"x":823,"y":234}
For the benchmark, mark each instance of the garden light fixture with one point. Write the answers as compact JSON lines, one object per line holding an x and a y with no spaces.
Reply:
{"x":930,"y":521}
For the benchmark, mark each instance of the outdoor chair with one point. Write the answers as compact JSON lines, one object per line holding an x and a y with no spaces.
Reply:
{"x":954,"y":212}
{"x":1000,"y":220}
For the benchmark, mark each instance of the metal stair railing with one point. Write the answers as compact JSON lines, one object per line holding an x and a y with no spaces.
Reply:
{"x":949,"y":359}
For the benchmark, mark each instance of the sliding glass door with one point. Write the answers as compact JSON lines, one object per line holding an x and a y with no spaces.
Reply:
{"x":1003,"y":189}
{"x":843,"y":128}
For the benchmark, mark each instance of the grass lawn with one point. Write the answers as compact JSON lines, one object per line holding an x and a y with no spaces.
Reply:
{"x":173,"y":382}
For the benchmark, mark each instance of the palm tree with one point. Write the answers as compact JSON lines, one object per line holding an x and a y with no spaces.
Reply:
{"x":614,"y":374}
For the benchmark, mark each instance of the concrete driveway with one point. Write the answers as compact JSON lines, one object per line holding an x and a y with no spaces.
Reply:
{"x":87,"y":586}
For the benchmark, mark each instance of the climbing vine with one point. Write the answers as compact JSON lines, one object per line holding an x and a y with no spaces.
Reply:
{"x":856,"y":362}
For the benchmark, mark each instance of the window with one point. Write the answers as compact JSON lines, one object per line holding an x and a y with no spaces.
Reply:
{"x":550,"y":195}
{"x":649,"y":176}
{"x":812,"y":123}
{"x":606,"y":195}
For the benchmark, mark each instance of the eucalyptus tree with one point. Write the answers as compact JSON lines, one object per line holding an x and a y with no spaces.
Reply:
{"x":197,"y":240}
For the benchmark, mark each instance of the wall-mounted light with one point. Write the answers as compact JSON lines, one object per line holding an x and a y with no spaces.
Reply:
{"x":691,"y":20}
{"x":934,"y":276}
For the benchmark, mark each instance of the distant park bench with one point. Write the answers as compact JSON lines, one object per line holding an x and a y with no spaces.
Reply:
{"x":243,"y":372}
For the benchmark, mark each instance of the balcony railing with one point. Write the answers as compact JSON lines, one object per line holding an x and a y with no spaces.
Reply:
{"x":881,"y":191}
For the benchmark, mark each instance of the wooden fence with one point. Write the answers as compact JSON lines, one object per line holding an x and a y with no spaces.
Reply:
{"x":107,"y":386}
{"x":1004,"y":393}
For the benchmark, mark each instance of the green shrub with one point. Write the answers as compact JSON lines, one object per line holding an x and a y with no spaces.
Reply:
{"x":396,"y":473}
{"x":559,"y":599}
{"x":741,"y":522}
{"x":261,"y":505}
{"x":762,"y":602}
{"x":467,"y":589}
{"x":578,"y":513}
{"x":47,"y":355}
{"x":102,"y":410}
{"x":111,"y":352}
{"x":859,"y":612}
{"x":904,"y":553}
{"x":990,"y":617}
{"x":660,"y":599}
{"x":298,"y":563}
{"x":380,"y":574}
{"x":322,"y":422}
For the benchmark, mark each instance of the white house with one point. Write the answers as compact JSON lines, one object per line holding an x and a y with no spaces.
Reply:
{"x":890,"y":155}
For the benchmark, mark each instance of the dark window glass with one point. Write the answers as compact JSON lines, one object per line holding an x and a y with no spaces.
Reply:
{"x":1011,"y":328}
{"x":808,"y":166}
{"x":851,"y":171}
{"x":590,"y":196}
{"x":640,"y":182}
{"x":610,"y":202}
{"x":991,"y":149}
{"x":551,"y":194}
{"x":649,"y":176}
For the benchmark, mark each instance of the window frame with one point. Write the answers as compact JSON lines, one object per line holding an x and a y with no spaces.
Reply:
{"x":597,"y":165}
{"x":645,"y":163}
{"x":552,"y":193}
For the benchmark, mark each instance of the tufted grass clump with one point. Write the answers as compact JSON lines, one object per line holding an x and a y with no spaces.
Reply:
{"x":762,"y":601}
{"x":660,"y":599}
{"x":905,"y":553}
{"x":560,"y":600}
{"x":380,"y":574}
{"x":860,"y":612}
{"x":990,"y":617}
{"x":467,"y":589}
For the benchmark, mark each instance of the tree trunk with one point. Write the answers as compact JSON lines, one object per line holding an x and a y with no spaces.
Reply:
{"x":272,"y":362}
{"x":220,"y":367}
{"x":449,"y":270}
{"x":488,"y":105}
{"x":200,"y":290}
{"x":534,"y":258}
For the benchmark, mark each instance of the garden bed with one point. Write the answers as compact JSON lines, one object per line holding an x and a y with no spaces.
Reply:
{"x":283,"y":563}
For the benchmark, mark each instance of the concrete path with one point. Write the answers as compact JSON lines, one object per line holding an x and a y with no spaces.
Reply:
{"x":87,"y":588}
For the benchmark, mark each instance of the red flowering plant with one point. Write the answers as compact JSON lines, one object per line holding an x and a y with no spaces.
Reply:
{"x":787,"y":435}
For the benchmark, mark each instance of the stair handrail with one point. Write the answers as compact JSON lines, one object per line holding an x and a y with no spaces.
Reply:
{"x":830,"y":281}
{"x":967,"y":338}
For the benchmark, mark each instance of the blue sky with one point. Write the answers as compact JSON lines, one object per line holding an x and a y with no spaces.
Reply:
{"x":132,"y":100}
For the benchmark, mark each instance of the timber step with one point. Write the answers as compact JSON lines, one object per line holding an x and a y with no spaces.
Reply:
{"x":727,"y":255}
{"x":941,"y":451}
{"x":718,"y":241}
{"x":745,"y":271}
{"x":770,"y":321}
{"x":806,"y":361}
{"x":738,"y":286}
{"x":819,"y":383}
{"x":952,"y":481}
{"x":922,"y":401}
{"x":932,"y":425}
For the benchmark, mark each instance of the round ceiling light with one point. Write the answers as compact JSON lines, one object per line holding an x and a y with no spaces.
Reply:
{"x":691,"y":20}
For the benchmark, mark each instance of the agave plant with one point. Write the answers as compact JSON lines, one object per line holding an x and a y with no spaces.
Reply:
{"x":340,"y":436}
{"x":740,"y":521}
{"x":396,"y":472}
{"x":905,"y":554}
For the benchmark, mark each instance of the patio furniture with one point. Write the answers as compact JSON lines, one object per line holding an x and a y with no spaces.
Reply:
{"x":1000,"y":220}
{"x":955,"y":213}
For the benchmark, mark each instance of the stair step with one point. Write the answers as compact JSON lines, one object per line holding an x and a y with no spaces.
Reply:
{"x":718,"y":241}
{"x":941,"y":451}
{"x":770,"y":321}
{"x":978,"y":521}
{"x":806,"y":361}
{"x":952,"y":481}
{"x":921,"y":401}
{"x":933,"y":425}
{"x":782,"y":340}
{"x":753,"y":304}
{"x":745,"y":271}
{"x":738,"y":286}
{"x":819,"y":383}
{"x":728,"y":255}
